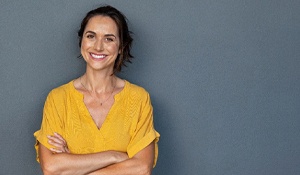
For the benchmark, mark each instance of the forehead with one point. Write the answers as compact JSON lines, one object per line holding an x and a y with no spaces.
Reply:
{"x":102,"y":24}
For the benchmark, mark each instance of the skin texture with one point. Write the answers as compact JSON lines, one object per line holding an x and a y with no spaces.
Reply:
{"x":100,"y":48}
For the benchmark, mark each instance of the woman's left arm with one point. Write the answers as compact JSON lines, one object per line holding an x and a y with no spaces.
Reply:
{"x":140,"y":164}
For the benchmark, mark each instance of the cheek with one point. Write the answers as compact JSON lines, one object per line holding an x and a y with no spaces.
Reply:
{"x":113,"y":47}
{"x":83,"y":49}
{"x":86,"y":44}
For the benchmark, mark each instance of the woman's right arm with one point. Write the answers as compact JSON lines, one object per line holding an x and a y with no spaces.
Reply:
{"x":76,"y":164}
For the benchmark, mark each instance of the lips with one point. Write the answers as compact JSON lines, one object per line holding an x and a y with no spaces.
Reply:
{"x":98,"y":56}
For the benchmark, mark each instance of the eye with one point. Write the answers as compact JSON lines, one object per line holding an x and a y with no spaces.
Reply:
{"x":90,"y":36}
{"x":109,"y":39}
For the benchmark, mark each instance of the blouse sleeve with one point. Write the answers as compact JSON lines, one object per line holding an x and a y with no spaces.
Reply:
{"x":144,"y":132}
{"x":51,"y":123}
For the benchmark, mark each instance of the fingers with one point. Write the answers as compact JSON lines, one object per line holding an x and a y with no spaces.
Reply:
{"x":59,"y":143}
{"x":57,"y":139}
{"x":54,"y":150}
{"x":60,"y":150}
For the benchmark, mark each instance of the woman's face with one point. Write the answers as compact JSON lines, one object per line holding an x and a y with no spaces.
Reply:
{"x":100,"y":43}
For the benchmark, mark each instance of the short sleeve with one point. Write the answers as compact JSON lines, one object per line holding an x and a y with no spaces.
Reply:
{"x":144,"y":132}
{"x":51,"y":123}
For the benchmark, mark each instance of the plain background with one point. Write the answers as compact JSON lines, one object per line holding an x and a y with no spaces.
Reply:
{"x":224,"y":79}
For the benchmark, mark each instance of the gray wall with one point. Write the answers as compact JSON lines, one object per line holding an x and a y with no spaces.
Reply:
{"x":224,"y":77}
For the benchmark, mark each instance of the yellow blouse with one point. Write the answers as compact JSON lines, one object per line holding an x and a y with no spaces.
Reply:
{"x":128,"y":126}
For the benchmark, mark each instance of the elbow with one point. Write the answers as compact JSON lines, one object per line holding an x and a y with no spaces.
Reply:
{"x":55,"y":169}
{"x":50,"y":169}
{"x":47,"y":171}
{"x":145,"y":169}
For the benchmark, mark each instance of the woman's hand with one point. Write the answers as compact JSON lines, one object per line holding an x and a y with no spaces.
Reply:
{"x":59,"y":143}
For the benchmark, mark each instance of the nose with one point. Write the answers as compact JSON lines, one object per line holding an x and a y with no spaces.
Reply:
{"x":99,"y":45}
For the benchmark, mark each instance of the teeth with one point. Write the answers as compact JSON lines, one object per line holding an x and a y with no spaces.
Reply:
{"x":98,"y":56}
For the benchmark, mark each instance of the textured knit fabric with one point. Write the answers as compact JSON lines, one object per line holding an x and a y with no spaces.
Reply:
{"x":128,"y":126}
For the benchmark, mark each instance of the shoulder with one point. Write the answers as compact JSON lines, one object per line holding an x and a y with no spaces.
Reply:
{"x":135,"y":89}
{"x":61,"y":91}
{"x":136,"y":92}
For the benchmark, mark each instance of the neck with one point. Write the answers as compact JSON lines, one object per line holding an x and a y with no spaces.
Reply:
{"x":98,"y":83}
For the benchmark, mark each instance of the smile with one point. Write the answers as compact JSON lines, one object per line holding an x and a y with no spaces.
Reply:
{"x":101,"y":56}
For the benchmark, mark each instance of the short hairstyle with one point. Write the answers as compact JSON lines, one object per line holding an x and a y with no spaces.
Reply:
{"x":124,"y":34}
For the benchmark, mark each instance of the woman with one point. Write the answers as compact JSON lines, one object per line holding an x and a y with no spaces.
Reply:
{"x":99,"y":123}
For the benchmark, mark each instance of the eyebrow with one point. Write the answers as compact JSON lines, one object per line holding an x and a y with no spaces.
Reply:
{"x":96,"y":34}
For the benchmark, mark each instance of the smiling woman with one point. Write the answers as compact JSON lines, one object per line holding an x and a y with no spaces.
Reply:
{"x":100,"y":44}
{"x":99,"y":123}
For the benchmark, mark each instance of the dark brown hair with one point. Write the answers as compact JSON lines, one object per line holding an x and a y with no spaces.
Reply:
{"x":124,"y":33}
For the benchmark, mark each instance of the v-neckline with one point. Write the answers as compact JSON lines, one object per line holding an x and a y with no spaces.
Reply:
{"x":85,"y":111}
